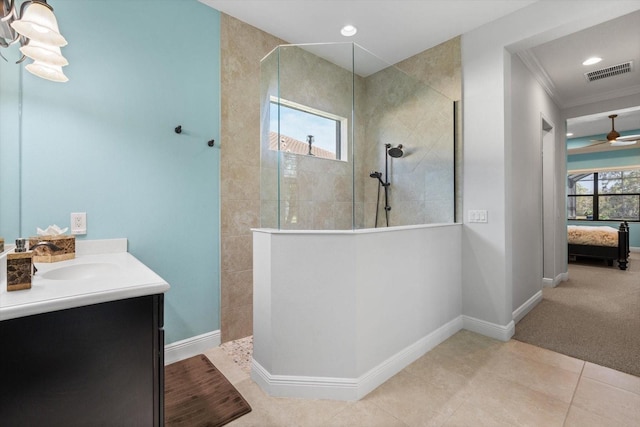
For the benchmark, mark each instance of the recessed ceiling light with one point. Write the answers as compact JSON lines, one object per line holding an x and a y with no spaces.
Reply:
{"x":348,"y":30}
{"x":569,"y":134}
{"x":592,"y":60}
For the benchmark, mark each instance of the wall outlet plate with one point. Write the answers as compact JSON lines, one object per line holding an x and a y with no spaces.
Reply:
{"x":78,"y":223}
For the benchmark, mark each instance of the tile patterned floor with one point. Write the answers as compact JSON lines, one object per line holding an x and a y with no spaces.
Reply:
{"x":469,"y":380}
{"x":240,"y":351}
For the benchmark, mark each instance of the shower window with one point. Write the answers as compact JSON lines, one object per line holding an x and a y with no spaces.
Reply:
{"x":305,"y":130}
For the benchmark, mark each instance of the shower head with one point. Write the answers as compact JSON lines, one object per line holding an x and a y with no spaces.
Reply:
{"x":395,"y":151}
{"x":378,"y":175}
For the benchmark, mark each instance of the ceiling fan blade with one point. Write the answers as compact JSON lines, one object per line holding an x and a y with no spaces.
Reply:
{"x":628,"y":138}
{"x":620,"y":142}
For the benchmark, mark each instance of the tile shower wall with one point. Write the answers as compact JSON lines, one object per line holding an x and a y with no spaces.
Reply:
{"x":242,"y":48}
{"x":440,"y":68}
{"x":401,"y":109}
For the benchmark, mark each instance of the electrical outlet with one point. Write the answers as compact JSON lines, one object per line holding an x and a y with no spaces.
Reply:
{"x":79,"y":223}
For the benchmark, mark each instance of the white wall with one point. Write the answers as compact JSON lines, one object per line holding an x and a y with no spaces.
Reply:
{"x":489,"y":250}
{"x":600,"y":106}
{"x":529,"y":105}
{"x":338,"y":313}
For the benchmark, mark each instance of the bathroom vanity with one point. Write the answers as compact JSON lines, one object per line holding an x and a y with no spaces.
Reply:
{"x":85,"y":345}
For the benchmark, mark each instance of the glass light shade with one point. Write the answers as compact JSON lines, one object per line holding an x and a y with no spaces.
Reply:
{"x":39,"y":23}
{"x":46,"y":71}
{"x":44,"y":53}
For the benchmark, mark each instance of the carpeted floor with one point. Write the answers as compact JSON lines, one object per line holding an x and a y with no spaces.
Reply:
{"x":198,"y":395}
{"x":594,"y":316}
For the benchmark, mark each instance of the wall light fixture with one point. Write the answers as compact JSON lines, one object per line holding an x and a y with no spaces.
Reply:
{"x":35,"y":27}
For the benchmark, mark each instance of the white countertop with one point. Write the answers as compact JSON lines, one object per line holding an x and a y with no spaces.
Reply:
{"x":126,"y":277}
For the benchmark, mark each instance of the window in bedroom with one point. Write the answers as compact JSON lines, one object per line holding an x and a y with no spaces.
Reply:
{"x":612,"y":195}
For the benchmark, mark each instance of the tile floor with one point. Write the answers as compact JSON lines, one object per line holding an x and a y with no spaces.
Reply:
{"x":468,"y":380}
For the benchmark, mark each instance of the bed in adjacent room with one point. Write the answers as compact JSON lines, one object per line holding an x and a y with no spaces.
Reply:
{"x":603,"y":242}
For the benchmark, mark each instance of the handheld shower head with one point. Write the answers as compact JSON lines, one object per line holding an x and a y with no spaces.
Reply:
{"x":378,"y":175}
{"x":395,"y":152}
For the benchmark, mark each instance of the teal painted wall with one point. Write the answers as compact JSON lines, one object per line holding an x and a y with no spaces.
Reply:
{"x":104,"y":143}
{"x":629,"y":157}
{"x":617,"y":158}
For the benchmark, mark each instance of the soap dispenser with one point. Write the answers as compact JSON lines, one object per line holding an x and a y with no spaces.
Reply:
{"x":19,"y":267}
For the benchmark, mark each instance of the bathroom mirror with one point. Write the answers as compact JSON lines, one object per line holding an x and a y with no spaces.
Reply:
{"x":10,"y":165}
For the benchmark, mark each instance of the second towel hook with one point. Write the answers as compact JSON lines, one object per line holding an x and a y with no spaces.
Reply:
{"x":178,"y":130}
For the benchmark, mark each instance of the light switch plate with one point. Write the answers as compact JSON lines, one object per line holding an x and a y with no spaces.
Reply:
{"x":478,"y":216}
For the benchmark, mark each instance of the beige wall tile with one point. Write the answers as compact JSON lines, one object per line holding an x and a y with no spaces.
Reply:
{"x":236,"y":253}
{"x":238,"y":291}
{"x":240,"y":182}
{"x":237,"y":217}
{"x":238,"y":322}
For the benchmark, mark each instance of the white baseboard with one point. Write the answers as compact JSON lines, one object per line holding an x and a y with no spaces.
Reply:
{"x":522,"y":311}
{"x":189,"y":347}
{"x":634,"y":249}
{"x":381,"y":373}
{"x":493,"y":330}
{"x":350,"y":388}
{"x":552,"y":283}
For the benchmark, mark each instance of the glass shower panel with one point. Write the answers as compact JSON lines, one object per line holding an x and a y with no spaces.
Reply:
{"x":269,"y":191}
{"x":309,"y":129}
{"x":409,"y":139}
{"x":349,"y":142}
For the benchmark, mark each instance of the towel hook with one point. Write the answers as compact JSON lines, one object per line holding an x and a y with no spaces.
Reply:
{"x":178,"y":130}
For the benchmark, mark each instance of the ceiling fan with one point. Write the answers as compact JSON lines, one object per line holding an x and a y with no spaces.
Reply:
{"x":614,"y":138}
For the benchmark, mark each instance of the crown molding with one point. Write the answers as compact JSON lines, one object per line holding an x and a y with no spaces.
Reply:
{"x":612,"y":94}
{"x":531,"y":61}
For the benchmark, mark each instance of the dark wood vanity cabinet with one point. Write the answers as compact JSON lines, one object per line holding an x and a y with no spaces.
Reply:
{"x":96,"y":365}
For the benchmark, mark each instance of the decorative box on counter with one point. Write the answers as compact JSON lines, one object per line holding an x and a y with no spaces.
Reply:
{"x":66,"y":248}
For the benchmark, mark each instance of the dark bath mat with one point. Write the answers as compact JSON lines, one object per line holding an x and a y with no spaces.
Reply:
{"x":197,"y":394}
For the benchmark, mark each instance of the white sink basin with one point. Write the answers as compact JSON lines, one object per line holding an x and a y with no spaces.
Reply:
{"x":82,"y":271}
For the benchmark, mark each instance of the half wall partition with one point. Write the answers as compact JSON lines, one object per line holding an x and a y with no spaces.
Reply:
{"x":351,"y":142}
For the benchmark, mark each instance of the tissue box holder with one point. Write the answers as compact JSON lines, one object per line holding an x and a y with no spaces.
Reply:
{"x":67,"y":245}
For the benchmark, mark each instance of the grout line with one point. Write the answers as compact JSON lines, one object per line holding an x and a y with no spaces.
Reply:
{"x":575,"y":390}
{"x":611,"y":385}
{"x":386,"y":412}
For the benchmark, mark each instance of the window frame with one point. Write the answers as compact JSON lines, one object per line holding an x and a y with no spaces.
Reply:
{"x":342,"y":123}
{"x":596,"y":194}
